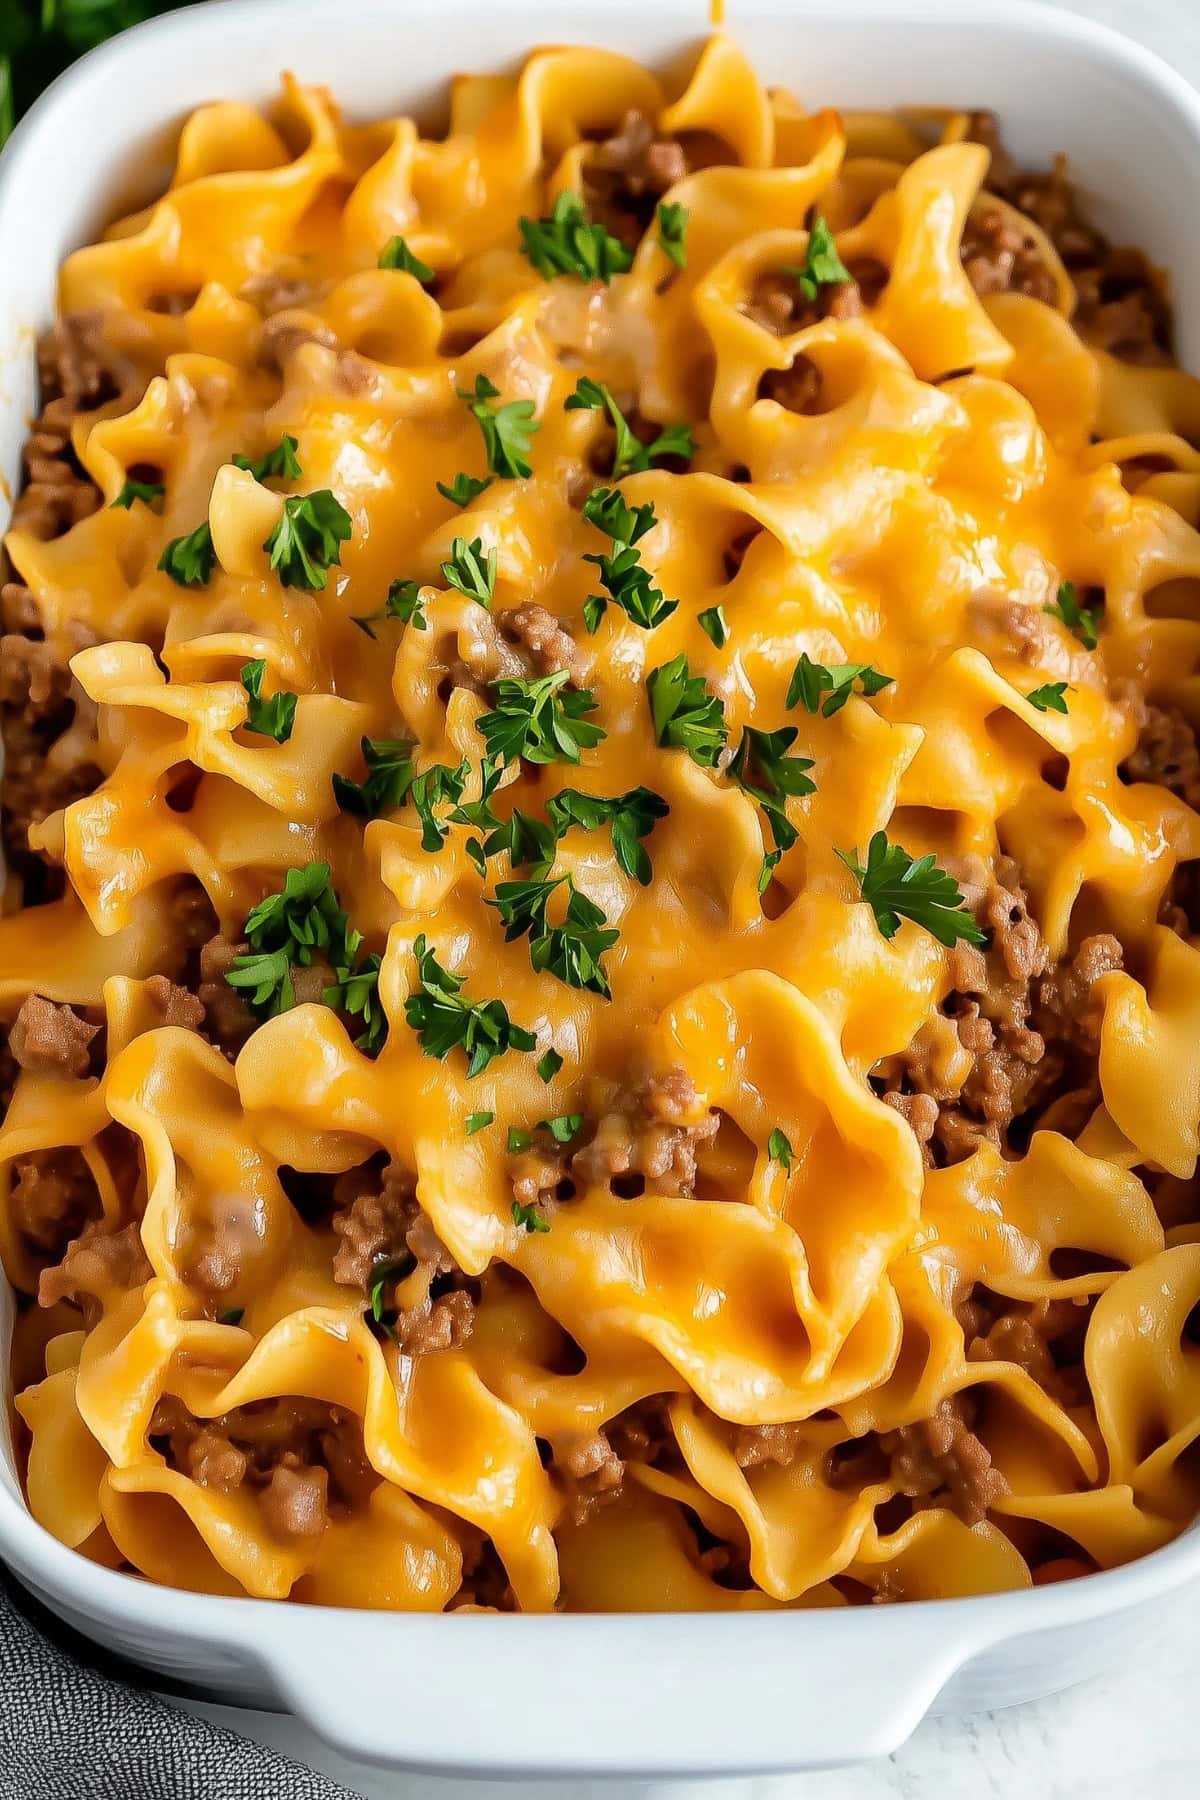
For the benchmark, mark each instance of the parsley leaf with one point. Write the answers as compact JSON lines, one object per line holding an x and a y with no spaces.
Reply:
{"x":630,"y":816}
{"x":525,"y":840}
{"x":522,"y":906}
{"x":1052,"y":697}
{"x":471,"y":572}
{"x":397,"y":255}
{"x":549,"y":1065}
{"x":307,"y":541}
{"x":567,"y":243}
{"x":822,"y":267}
{"x":479,"y":1121}
{"x":539,"y":719}
{"x":444,"y":1019}
{"x":812,"y":679}
{"x":404,"y":602}
{"x":146,"y":491}
{"x":517,"y":1140}
{"x":273,"y":718}
{"x":630,"y":455}
{"x":463,"y":489}
{"x":1082,"y":620}
{"x":563,"y":1127}
{"x":507,"y":430}
{"x":780,"y":1150}
{"x":292,"y":926}
{"x":622,"y":573}
{"x":190,"y":560}
{"x":713,"y":624}
{"x":280,"y":463}
{"x":357,"y":993}
{"x":896,"y":885}
{"x":686,"y":715}
{"x":763,"y":770}
{"x":672,"y":231}
{"x":434,"y":787}
{"x":770,"y":863}
{"x":572,"y":950}
{"x":531,"y":1217}
{"x":390,"y":775}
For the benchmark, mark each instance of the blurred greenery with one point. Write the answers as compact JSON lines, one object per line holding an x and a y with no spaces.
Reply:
{"x":38,"y":38}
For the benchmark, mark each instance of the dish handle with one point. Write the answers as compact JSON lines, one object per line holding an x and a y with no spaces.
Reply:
{"x":649,"y":1695}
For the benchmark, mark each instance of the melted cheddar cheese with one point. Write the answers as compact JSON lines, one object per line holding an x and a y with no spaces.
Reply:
{"x":966,"y":455}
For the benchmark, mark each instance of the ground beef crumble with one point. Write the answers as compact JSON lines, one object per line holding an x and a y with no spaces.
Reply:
{"x":303,"y":1458}
{"x":96,"y":1262}
{"x":1031,"y":1033}
{"x":48,"y":1039}
{"x":589,"y":1467}
{"x":1000,"y":256}
{"x":1166,"y":752}
{"x":939,"y":1461}
{"x":383,"y":1229}
{"x":628,"y":173}
{"x":53,"y":1195}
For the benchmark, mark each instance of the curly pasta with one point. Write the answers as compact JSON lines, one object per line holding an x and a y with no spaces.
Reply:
{"x":478,"y":1134}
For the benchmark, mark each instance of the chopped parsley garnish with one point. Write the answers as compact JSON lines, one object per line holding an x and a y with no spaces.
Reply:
{"x":780,"y":1150}
{"x":1084,"y":621}
{"x":307,"y":542}
{"x":383,"y":1276}
{"x":295,"y":925}
{"x":525,"y":840}
{"x":390,"y":775}
{"x":357,"y":993}
{"x":145,"y":491}
{"x":232,"y":1315}
{"x":507,"y":430}
{"x":822,"y":266}
{"x":531,"y":1217}
{"x":471,"y":572}
{"x":463,"y":489}
{"x":540,"y":719}
{"x":687,"y":716}
{"x":517,"y":1140}
{"x":567,"y":243}
{"x":563,"y":1127}
{"x":897,"y":886}
{"x":630,"y":455}
{"x":630,"y":817}
{"x":272,"y":718}
{"x":713,"y":624}
{"x":1052,"y":697}
{"x":570,"y":950}
{"x":397,"y":255}
{"x":672,"y":231}
{"x":622,"y":574}
{"x":281,"y":463}
{"x":444,"y":1019}
{"x":403,"y":602}
{"x":190,"y":560}
{"x":479,"y":1122}
{"x":762,"y":769}
{"x":770,"y":863}
{"x":549,"y":1065}
{"x":812,"y":680}
{"x":436,"y":786}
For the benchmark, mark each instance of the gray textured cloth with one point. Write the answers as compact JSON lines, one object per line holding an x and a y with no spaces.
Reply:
{"x":69,"y":1733}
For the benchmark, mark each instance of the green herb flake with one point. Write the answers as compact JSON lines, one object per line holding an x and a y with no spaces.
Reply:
{"x":549,"y":1065}
{"x":826,"y":690}
{"x":630,"y":455}
{"x":1052,"y":697}
{"x":531,"y":1217}
{"x":271,"y":718}
{"x":822,"y":266}
{"x":568,"y":243}
{"x":896,"y":885}
{"x":279,"y":464}
{"x":464,"y":488}
{"x":190,"y":560}
{"x":397,"y":255}
{"x":686,"y":715}
{"x":507,"y":430}
{"x":1083,"y":621}
{"x":713,"y":624}
{"x":444,"y":1019}
{"x":145,"y":491}
{"x":307,"y":541}
{"x":780,"y":1151}
{"x":672,"y":231}
{"x":539,"y":719}
{"x":479,"y":1121}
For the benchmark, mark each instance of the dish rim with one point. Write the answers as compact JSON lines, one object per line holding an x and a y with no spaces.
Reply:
{"x":883,"y":1642}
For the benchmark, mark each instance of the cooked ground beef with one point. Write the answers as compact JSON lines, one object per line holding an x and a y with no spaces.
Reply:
{"x":1120,"y":304}
{"x":53,"y":1196}
{"x":547,"y":641}
{"x":283,"y":336}
{"x":1000,"y":257}
{"x":1166,"y":753}
{"x":303,"y":1458}
{"x":648,"y":1139}
{"x":777,"y":303}
{"x":589,"y":1466}
{"x":755,"y":1445}
{"x":77,"y":372}
{"x":384,"y":1230}
{"x":938,"y":1461}
{"x":797,"y":389}
{"x":485,"y":1580}
{"x":1043,"y":1337}
{"x":174,"y":1005}
{"x":95,"y":1263}
{"x":228,"y":1021}
{"x":1032,"y":1033}
{"x":626,"y":176}
{"x":48,"y":1039}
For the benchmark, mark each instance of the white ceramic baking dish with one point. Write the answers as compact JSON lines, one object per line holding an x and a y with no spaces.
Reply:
{"x":659,"y":1695}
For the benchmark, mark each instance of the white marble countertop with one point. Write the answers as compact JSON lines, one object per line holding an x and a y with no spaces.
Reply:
{"x":1128,"y":1737}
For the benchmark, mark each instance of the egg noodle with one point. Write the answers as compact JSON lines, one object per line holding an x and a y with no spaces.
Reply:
{"x":603,"y":1009}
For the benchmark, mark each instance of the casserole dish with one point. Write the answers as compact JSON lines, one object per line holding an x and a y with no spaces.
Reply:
{"x":731,"y":1694}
